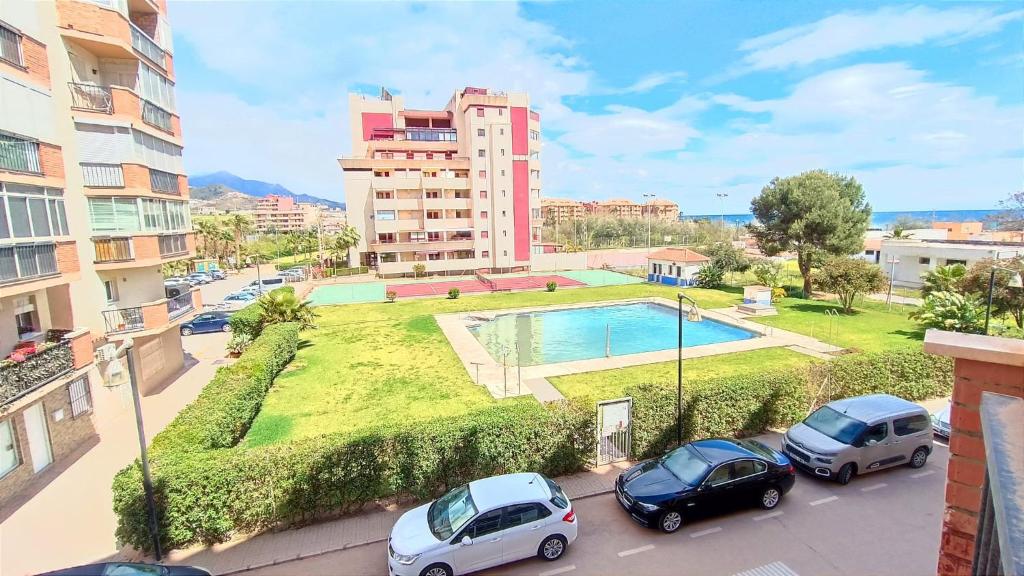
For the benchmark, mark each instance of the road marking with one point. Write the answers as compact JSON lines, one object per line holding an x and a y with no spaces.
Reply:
{"x":768,"y":515}
{"x":923,"y":474}
{"x":825,"y":500}
{"x":706,"y":532}
{"x":773,"y":569}
{"x":632,"y":551}
{"x":874,"y":487}
{"x":561,"y":570}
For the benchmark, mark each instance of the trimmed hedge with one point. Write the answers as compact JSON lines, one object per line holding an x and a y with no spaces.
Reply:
{"x":248,"y":319}
{"x":908,"y":373}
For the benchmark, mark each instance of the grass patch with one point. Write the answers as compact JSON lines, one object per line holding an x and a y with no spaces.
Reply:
{"x":610,"y":384}
{"x":869,"y":328}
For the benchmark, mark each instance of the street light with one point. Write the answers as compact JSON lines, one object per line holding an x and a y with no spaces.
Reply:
{"x":1015,"y":282}
{"x":722,"y":196}
{"x":693,"y":316}
{"x":647,"y":202}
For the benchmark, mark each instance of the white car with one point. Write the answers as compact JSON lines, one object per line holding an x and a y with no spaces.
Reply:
{"x":483,"y":524}
{"x":940,"y":422}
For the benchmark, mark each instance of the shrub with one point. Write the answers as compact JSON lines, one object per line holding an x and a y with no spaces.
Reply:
{"x":709,"y":276}
{"x":552,"y":285}
{"x":951,"y":311}
{"x":778,"y":294}
{"x":907,"y":373}
{"x":391,"y":295}
{"x":847,"y":277}
{"x":238,"y":343}
{"x":454,"y":293}
{"x":419,"y":270}
{"x":248,"y":321}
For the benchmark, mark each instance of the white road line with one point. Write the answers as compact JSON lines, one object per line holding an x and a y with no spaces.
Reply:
{"x":706,"y":532}
{"x":825,"y":500}
{"x":561,"y":570}
{"x":773,"y":569}
{"x":768,"y":515}
{"x":632,"y":551}
{"x":874,"y":487}
{"x":923,"y":474}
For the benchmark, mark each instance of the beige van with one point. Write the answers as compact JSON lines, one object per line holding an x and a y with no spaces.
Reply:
{"x":859,"y":435}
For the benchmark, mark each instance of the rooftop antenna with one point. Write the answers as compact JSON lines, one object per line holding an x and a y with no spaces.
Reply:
{"x":384,"y":94}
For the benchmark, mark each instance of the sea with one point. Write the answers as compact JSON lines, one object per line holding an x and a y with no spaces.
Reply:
{"x":879,"y":220}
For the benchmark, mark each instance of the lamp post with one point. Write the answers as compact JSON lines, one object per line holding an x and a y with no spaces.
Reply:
{"x":892,"y":261}
{"x":1015,"y":282}
{"x":693,"y":316}
{"x":721,"y":197}
{"x":648,"y":204}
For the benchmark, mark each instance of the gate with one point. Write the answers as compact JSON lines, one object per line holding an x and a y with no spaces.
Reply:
{"x":614,"y":430}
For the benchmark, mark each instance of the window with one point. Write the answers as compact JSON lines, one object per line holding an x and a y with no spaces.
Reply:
{"x":10,"y":50}
{"x":388,"y":257}
{"x":385,"y":215}
{"x":503,"y":172}
{"x":8,"y":448}
{"x":417,"y":236}
{"x":26,"y":323}
{"x":534,"y":135}
{"x":952,"y":262}
{"x":410,"y":156}
{"x":911,"y":425}
{"x":869,"y":252}
{"x":485,"y":254}
{"x":110,"y":288}
{"x":433,"y":214}
{"x":504,"y":232}
{"x":433,"y":194}
{"x":744,"y":468}
{"x":434,"y":236}
{"x":433,"y":255}
{"x":157,"y":153}
{"x":480,"y":132}
{"x":503,"y":213}
{"x":155,"y":87}
{"x":386,"y":156}
{"x":385,"y":237}
{"x":447,"y":155}
{"x":924,"y":261}
{"x":536,"y":213}
{"x":484,"y":234}
{"x":482,"y":174}
{"x":501,"y":131}
{"x":520,"y":514}
{"x":483,"y":194}
{"x":481,"y":153}
{"x":535,"y":155}
{"x":502,"y":151}
{"x":876,"y":433}
{"x":479,"y":112}
{"x":19,"y":154}
{"x":81,"y":399}
{"x":384,"y":194}
{"x":501,"y":111}
{"x":719,"y":476}
{"x":483,"y":214}
{"x":430,"y":155}
{"x":35,"y":212}
{"x":486,"y":524}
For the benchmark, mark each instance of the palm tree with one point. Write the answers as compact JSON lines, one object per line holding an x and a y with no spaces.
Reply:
{"x":206,"y":229}
{"x":899,"y":233}
{"x":943,"y":279}
{"x":239,"y":226}
{"x":282,"y":306}
{"x":340,"y":244}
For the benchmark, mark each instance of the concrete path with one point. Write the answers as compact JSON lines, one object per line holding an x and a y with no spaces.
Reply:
{"x":272,"y":548}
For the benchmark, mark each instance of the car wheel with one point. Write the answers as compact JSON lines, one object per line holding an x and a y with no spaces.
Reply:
{"x":226,"y":328}
{"x":845,"y":474}
{"x":670,"y":521}
{"x":919,"y":457}
{"x":186,"y":331}
{"x":552,"y":547}
{"x":770,"y":497}
{"x":437,"y":570}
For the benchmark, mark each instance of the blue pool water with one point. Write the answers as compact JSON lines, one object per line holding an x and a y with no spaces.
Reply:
{"x":581,"y":333}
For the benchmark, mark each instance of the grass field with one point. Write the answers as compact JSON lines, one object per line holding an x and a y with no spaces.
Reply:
{"x":869,"y":328}
{"x":390,"y":363}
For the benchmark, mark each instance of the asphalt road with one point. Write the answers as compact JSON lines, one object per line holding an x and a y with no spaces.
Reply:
{"x":888,"y":522}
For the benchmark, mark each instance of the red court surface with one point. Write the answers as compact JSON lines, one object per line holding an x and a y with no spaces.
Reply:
{"x":469,"y":286}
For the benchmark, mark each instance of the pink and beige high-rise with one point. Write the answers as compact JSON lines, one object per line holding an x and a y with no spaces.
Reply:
{"x":457,"y":190}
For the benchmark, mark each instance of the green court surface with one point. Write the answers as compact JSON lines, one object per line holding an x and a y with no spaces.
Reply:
{"x":347,"y":293}
{"x":599,"y":277}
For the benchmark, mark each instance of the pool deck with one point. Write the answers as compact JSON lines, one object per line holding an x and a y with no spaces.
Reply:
{"x":504,"y":381}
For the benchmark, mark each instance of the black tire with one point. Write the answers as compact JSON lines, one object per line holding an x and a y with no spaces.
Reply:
{"x":670,"y":521}
{"x":846,"y":473}
{"x":438,"y":569}
{"x":770,"y":497}
{"x":226,"y":328}
{"x":186,"y":331}
{"x":919,"y":458}
{"x":552,"y":548}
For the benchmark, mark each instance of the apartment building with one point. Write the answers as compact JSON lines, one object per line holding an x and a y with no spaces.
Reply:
{"x":561,"y":210}
{"x":907,"y":261}
{"x":278,"y":214}
{"x":457,"y":189}
{"x":93,"y":201}
{"x":618,"y":208}
{"x":660,"y":209}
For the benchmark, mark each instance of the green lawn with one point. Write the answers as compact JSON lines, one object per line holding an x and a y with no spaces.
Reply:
{"x":869,"y":328}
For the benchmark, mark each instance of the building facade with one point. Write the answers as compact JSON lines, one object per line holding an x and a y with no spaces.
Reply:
{"x":908,"y":260}
{"x":278,"y":214}
{"x":93,"y":201}
{"x":660,"y":209}
{"x":617,"y":208}
{"x":456,"y":190}
{"x":561,"y":211}
{"x":674,"y":266}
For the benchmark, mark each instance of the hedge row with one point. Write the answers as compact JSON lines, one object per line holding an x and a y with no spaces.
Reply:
{"x":907,"y":373}
{"x":247,"y":321}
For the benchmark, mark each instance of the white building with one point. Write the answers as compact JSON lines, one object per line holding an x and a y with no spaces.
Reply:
{"x":674,"y":266}
{"x":914,"y":258}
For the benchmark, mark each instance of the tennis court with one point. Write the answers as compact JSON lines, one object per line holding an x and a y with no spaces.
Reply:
{"x":533,"y":282}
{"x":437,"y":288}
{"x":347,"y":293}
{"x":600,"y":277}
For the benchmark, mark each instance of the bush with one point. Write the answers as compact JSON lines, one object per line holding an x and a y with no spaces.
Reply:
{"x":419,"y":270}
{"x":552,"y":285}
{"x":778,"y":294}
{"x":907,"y":373}
{"x":249,"y":320}
{"x":391,"y":295}
{"x":951,"y":311}
{"x":709,"y":276}
{"x":454,"y":293}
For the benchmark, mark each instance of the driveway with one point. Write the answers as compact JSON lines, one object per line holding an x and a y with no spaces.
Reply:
{"x":884,"y":523}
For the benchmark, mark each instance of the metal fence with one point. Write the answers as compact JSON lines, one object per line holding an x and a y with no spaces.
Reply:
{"x":123,"y":320}
{"x":179,"y":305}
{"x":103,"y":175}
{"x":156,"y":116}
{"x":19,"y":155}
{"x":163,"y":182}
{"x":113,"y":249}
{"x":999,"y":542}
{"x":614,"y":430}
{"x":91,"y":97}
{"x":23,"y":261}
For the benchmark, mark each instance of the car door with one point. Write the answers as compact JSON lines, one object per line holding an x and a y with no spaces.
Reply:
{"x":485,"y":547}
{"x":747,"y":479}
{"x":522,"y":530}
{"x":713,"y":491}
{"x":910,"y":433}
{"x":876,"y":447}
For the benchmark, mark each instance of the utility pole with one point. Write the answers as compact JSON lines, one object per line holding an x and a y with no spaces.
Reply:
{"x":721,"y":197}
{"x":647,"y":203}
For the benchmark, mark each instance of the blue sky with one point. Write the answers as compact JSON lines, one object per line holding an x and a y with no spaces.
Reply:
{"x":923,"y":103}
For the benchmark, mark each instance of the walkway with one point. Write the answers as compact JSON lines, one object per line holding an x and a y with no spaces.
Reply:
{"x":249,"y":552}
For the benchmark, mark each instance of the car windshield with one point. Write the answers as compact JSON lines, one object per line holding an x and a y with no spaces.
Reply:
{"x":558,"y":497}
{"x":686,"y":464}
{"x":758,"y":448}
{"x":133,"y":570}
{"x":449,"y":513}
{"x":835,"y":425}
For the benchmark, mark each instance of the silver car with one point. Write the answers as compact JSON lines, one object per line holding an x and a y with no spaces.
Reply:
{"x":859,"y":435}
{"x":940,"y":422}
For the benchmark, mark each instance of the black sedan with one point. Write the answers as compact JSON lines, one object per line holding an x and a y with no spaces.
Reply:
{"x":129,"y":569}
{"x":702,"y":477}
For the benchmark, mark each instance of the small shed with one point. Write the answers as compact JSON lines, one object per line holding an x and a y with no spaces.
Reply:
{"x":205,"y":264}
{"x":757,"y":295}
{"x":674,"y":266}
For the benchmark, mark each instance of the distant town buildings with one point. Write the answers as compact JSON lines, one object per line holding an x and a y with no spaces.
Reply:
{"x":560,"y":210}
{"x":282,"y":214}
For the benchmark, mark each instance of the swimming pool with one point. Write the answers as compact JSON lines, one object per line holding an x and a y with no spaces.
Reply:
{"x":549,"y":336}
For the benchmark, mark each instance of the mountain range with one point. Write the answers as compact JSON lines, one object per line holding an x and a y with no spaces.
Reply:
{"x":213,"y":186}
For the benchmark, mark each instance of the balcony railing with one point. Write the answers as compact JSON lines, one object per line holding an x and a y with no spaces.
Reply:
{"x":21,"y":374}
{"x":999,"y":542}
{"x":91,"y":97}
{"x":156,"y":116}
{"x":173,"y":244}
{"x":179,"y":305}
{"x":415,"y":134}
{"x":113,"y":249}
{"x":103,"y":175}
{"x":163,"y":182}
{"x":123,"y":320}
{"x":147,"y":47}
{"x":19,"y":155}
{"x":27,"y":261}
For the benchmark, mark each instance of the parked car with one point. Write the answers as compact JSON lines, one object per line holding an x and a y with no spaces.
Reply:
{"x":217,"y":274}
{"x":940,"y":422}
{"x":252,"y":289}
{"x":268,"y":283}
{"x":129,"y":569}
{"x":292,"y":273}
{"x":703,"y":477}
{"x":482,"y":524}
{"x":200,"y":278}
{"x":175,"y":280}
{"x":207,"y":322}
{"x":859,"y":435}
{"x":241,"y":297}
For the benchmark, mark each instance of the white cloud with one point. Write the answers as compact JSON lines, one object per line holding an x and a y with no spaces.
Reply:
{"x":854,"y":32}
{"x":652,"y":81}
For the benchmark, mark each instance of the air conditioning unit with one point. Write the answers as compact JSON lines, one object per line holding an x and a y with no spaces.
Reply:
{"x":106,"y":352}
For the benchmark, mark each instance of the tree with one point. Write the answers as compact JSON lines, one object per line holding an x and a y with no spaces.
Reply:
{"x":846,"y":277}
{"x":207,"y":230}
{"x":709,"y":276}
{"x":943,"y":279}
{"x":283,"y":306}
{"x":898,"y":232}
{"x":239,"y":226}
{"x":343,"y":241}
{"x":419,"y":270}
{"x":727,"y":257}
{"x":768,"y":273}
{"x":1011,"y":214}
{"x":951,"y":311}
{"x":1005,"y":300}
{"x":908,"y":222}
{"x":812,"y":213}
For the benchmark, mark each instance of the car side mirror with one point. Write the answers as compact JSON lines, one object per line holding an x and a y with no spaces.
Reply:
{"x":467,"y":541}
{"x":871,"y":442}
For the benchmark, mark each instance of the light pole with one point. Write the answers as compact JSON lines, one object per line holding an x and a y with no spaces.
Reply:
{"x":721,"y":197}
{"x":693,"y":316}
{"x":892,"y":261}
{"x":1015,"y":282}
{"x":648,"y":204}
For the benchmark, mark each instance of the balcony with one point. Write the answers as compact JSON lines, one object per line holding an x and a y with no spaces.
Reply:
{"x":157,"y":117}
{"x":152,"y":316}
{"x":146,"y":46}
{"x":396,"y":183}
{"x":457,"y":223}
{"x":113,"y":253}
{"x":408,"y":225}
{"x":446,"y":183}
{"x":18,"y":155}
{"x":397,"y":204}
{"x":179,"y":305}
{"x":91,"y":98}
{"x":27,"y":262}
{"x":113,"y":249}
{"x":414,"y":134}
{"x":423,"y":245}
{"x":22,"y":373}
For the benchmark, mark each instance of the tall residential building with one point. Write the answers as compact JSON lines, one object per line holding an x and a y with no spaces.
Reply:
{"x":457,"y":189}
{"x":660,"y":209}
{"x":618,"y":207}
{"x":278,"y":214}
{"x":93,"y":201}
{"x":561,"y":211}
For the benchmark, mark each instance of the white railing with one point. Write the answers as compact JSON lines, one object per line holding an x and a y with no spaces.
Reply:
{"x":147,"y":46}
{"x":103,"y":175}
{"x":91,"y":97}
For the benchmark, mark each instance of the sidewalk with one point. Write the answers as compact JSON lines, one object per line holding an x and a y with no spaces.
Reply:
{"x":268,"y":549}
